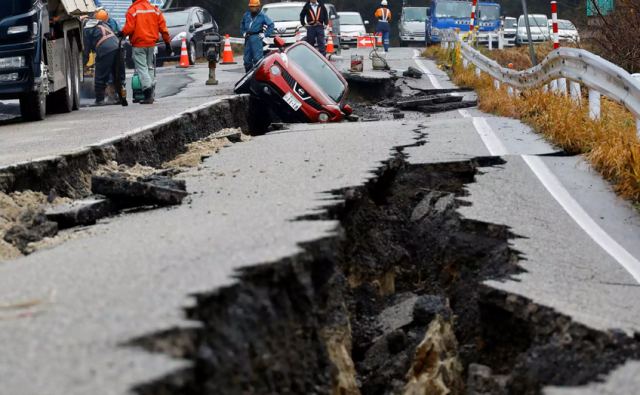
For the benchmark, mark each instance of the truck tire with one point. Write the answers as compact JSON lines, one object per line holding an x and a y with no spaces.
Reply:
{"x":76,"y":62}
{"x":62,"y":100}
{"x":33,"y":106}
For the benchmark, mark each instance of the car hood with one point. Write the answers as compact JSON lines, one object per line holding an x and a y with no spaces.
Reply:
{"x":287,"y":24}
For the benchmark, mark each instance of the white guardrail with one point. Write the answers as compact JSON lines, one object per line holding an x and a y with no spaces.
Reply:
{"x":578,"y":66}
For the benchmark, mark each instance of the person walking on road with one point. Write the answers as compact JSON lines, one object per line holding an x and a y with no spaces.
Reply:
{"x":383,"y":27}
{"x":315,"y":17}
{"x":255,"y":27}
{"x":145,"y":22}
{"x":100,"y":39}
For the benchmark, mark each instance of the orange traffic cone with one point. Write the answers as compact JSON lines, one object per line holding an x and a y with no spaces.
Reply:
{"x":184,"y":55}
{"x":330,"y":48}
{"x":227,"y":54}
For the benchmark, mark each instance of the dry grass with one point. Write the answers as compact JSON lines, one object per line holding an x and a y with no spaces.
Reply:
{"x":610,"y":143}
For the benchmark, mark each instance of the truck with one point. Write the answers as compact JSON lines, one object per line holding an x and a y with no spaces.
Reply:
{"x":411,"y":25}
{"x":489,"y":22}
{"x":41,"y":54}
{"x":444,"y":15}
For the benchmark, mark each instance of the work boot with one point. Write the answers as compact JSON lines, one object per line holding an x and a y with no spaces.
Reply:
{"x":99,"y":99}
{"x":148,"y":96}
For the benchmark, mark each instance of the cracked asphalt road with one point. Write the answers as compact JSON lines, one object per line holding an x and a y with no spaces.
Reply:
{"x":106,"y":286}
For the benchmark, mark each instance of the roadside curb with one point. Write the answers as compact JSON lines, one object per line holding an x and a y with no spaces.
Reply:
{"x":151,"y":145}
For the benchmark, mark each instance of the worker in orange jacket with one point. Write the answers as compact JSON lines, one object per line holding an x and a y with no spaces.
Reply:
{"x":383,"y":27}
{"x":145,"y":22}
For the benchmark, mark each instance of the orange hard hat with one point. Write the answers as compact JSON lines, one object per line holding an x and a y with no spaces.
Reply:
{"x":510,"y":65}
{"x":102,"y":15}
{"x":254,"y":3}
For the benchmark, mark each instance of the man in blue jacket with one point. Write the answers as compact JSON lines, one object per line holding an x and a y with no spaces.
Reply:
{"x":99,"y":38}
{"x":255,"y":27}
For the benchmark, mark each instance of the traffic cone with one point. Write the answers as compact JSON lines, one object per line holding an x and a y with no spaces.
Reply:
{"x":227,"y":54}
{"x":330,"y":48}
{"x":184,"y":55}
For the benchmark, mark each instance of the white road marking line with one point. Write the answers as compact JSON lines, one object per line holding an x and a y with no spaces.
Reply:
{"x":562,"y":196}
{"x":581,"y":217}
{"x":434,"y":81}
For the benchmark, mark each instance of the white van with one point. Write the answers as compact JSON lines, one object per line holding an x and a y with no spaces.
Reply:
{"x":539,"y":29}
{"x":286,"y":17}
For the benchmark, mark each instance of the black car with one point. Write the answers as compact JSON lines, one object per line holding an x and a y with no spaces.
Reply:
{"x":192,"y":23}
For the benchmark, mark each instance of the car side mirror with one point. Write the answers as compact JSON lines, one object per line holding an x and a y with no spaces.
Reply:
{"x":366,"y":22}
{"x":197,"y":25}
{"x":347,"y":109}
{"x":279,"y":42}
{"x":333,"y":17}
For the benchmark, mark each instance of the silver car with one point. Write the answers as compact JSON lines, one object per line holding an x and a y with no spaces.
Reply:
{"x":352,"y":26}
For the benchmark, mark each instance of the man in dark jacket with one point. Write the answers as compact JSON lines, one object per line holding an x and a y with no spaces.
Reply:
{"x":99,"y":38}
{"x":315,"y":17}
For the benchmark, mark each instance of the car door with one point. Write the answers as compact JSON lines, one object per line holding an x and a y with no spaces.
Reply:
{"x":198,"y":28}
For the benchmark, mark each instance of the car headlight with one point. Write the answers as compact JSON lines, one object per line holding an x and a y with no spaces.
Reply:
{"x":179,"y":36}
{"x":18,"y":29}
{"x":275,"y":70}
{"x":13,"y":62}
{"x":323,"y":117}
{"x":435,"y":31}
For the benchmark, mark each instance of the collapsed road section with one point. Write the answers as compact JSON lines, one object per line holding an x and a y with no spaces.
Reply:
{"x":395,"y":304}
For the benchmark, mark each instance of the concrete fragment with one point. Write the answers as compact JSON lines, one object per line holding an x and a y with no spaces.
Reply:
{"x":481,"y":381}
{"x":435,"y":203}
{"x":397,"y":316}
{"x":412,"y":72}
{"x":436,"y":369}
{"x":154,"y":190}
{"x":421,"y":101}
{"x":79,"y":213}
{"x":427,"y":307}
{"x":32,"y":226}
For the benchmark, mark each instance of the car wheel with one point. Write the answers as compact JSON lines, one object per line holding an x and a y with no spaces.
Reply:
{"x":192,"y":53}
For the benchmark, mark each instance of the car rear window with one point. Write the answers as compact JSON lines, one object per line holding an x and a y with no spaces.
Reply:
{"x":317,"y":70}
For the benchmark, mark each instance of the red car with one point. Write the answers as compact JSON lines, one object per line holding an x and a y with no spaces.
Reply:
{"x":297,"y":84}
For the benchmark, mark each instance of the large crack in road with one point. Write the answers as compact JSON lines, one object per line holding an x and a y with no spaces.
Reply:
{"x":393,"y":304}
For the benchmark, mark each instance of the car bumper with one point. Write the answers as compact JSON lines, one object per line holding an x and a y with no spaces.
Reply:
{"x":412,"y":38}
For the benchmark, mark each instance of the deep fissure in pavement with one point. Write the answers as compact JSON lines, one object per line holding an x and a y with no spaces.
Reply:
{"x":393,"y":304}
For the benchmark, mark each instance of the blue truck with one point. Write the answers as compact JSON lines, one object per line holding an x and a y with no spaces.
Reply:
{"x":41,"y":54}
{"x":451,"y":14}
{"x":444,"y":15}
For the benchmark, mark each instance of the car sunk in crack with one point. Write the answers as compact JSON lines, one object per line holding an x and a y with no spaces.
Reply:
{"x":294,"y":84}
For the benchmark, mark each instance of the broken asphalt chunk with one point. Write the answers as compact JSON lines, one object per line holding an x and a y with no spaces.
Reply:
{"x":154,"y":190}
{"x":412,"y":72}
{"x":32,"y":226}
{"x":420,"y":101}
{"x":79,"y":213}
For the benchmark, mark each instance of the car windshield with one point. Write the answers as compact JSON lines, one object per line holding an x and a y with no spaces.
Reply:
{"x":489,"y":12}
{"x":175,"y":19}
{"x":566,"y":25}
{"x":509,"y":23}
{"x":317,"y":70}
{"x":453,"y":9}
{"x":414,"y":14}
{"x":14,"y":7}
{"x":350,"y":19}
{"x":539,"y":21}
{"x":283,"y":14}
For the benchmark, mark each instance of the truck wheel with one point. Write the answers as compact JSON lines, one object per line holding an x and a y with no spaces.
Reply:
{"x":62,"y":100}
{"x":33,"y":106}
{"x":76,"y":67}
{"x":193,"y":55}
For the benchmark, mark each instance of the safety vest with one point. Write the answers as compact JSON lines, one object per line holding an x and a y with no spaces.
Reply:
{"x":385,"y":15}
{"x":315,"y":17}
{"x":106,"y":34}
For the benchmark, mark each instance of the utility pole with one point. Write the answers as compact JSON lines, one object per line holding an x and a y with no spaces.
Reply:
{"x":532,"y":51}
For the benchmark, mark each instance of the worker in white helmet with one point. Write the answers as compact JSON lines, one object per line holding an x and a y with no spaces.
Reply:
{"x":383,"y":26}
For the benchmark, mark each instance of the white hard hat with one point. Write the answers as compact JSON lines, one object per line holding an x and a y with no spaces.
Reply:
{"x":384,"y":2}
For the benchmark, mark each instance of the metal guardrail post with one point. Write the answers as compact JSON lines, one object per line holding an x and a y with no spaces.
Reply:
{"x":496,"y":85}
{"x":594,"y":104}
{"x":465,"y":63}
{"x":477,"y":72}
{"x":553,"y":86}
{"x":510,"y":91}
{"x":576,"y":92}
{"x":562,"y":86}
